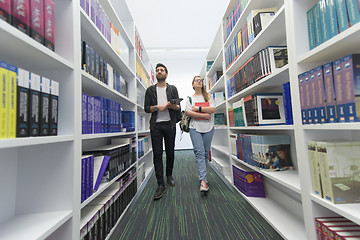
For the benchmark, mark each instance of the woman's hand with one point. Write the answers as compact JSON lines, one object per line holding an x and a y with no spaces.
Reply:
{"x":195,"y":109}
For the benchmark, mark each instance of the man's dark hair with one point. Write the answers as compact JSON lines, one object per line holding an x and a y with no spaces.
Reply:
{"x":161,"y":65}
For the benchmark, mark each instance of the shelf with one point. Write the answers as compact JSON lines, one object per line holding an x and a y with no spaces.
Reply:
{"x":217,"y":65}
{"x":91,"y":34}
{"x":140,"y":109}
{"x":31,"y":141}
{"x":333,"y":126}
{"x":94,"y":87}
{"x":288,"y":178}
{"x":106,"y":135}
{"x":264,"y":39}
{"x":220,"y":127}
{"x":262,"y":128}
{"x":143,"y":132}
{"x":140,"y":83}
{"x":222,"y":149}
{"x":33,"y":226}
{"x":214,"y":162}
{"x":350,"y":211}
{"x":275,"y":215}
{"x":268,"y":83}
{"x":336,"y":47}
{"x":218,"y":86}
{"x":104,"y":186}
{"x":20,"y":50}
{"x":145,"y":155}
{"x":221,"y":106}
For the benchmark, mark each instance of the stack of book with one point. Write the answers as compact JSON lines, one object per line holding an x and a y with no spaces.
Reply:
{"x":338,"y":228}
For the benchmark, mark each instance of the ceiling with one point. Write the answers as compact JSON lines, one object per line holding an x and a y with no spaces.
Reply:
{"x":174,"y":30}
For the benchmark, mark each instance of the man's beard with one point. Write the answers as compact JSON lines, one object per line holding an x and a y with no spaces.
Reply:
{"x":160,"y":78}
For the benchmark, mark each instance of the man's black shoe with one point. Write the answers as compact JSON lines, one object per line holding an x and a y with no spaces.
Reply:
{"x":171,"y":181}
{"x":159,"y":192}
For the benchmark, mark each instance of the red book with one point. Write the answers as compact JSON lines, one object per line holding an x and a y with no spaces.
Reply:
{"x":202,"y":104}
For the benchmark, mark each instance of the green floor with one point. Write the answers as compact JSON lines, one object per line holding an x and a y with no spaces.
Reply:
{"x":185,"y":213}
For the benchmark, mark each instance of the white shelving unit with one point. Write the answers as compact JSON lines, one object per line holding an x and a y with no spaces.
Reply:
{"x":289,"y":197}
{"x":41,"y":176}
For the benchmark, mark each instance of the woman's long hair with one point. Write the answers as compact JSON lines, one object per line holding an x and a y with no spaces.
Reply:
{"x":203,"y":90}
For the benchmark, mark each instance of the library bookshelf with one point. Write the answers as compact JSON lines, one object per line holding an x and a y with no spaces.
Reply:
{"x":289,"y":193}
{"x":41,"y":176}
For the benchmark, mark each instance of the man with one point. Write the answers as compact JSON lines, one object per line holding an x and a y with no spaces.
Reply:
{"x":162,"y":126}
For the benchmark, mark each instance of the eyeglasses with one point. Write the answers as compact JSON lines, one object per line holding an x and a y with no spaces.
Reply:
{"x":198,"y":80}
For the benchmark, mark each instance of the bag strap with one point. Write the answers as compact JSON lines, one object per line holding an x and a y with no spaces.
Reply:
{"x":190,"y":99}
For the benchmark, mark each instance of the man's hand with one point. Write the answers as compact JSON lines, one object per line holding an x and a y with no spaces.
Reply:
{"x":172,"y":106}
{"x":161,"y":108}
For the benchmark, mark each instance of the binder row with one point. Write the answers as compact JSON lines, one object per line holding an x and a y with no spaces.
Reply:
{"x":329,"y":93}
{"x":257,"y":20}
{"x":35,"y":18}
{"x":29,"y":103}
{"x":102,"y":214}
{"x":217,"y":75}
{"x":262,"y":151}
{"x":107,"y":28}
{"x":262,"y":64}
{"x":327,"y":18}
{"x":96,"y":66}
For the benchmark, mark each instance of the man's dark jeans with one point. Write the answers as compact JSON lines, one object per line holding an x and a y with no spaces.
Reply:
{"x":163,"y":130}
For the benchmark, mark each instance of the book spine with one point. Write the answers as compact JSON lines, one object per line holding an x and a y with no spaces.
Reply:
{"x":84,"y":114}
{"x":90,"y":115}
{"x":324,"y":171}
{"x":340,"y":90}
{"x":329,"y":93}
{"x":311,"y":28}
{"x":44,"y":106}
{"x":314,"y":168}
{"x":307,"y":98}
{"x":54,"y":106}
{"x":49,"y":24}
{"x":12,"y":99}
{"x":324,"y":23}
{"x":320,"y":103}
{"x":83,"y":179}
{"x":37,"y":20}
{"x":4,"y":90}
{"x":341,"y":12}
{"x":34,"y":105}
{"x":22,"y":103}
{"x":332,"y":20}
{"x":313,"y":97}
{"x":5,"y":11}
{"x":91,"y":176}
{"x":21,"y":15}
{"x":353,"y":11}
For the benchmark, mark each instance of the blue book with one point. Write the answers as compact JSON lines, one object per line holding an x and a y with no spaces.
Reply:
{"x":311,"y":28}
{"x":307,"y":93}
{"x":351,"y":83}
{"x":329,"y":93}
{"x":97,"y":115}
{"x":317,"y":24}
{"x":341,"y":12}
{"x":90,"y":113}
{"x":287,"y":103}
{"x":302,"y":97}
{"x":340,"y":90}
{"x":89,"y":187}
{"x":353,"y":11}
{"x":83,"y":178}
{"x":324,"y":23}
{"x":331,"y":18}
{"x":84,"y":114}
{"x":320,"y":96}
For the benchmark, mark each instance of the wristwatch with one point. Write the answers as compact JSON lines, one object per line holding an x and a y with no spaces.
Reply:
{"x":156,"y":108}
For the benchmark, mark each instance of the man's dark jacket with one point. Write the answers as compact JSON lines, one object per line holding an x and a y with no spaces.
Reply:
{"x":151,"y":100}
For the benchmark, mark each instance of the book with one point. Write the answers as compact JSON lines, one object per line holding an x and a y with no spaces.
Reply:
{"x":23,"y":96}
{"x":12,"y":99}
{"x":319,"y":221}
{"x":100,"y":165}
{"x":269,"y":109}
{"x":49,"y":24}
{"x":353,"y":11}
{"x":201,"y":104}
{"x":34,"y":105}
{"x":249,"y":182}
{"x":239,"y":113}
{"x":339,"y":171}
{"x":84,"y":115}
{"x":261,"y":20}
{"x":278,"y":57}
{"x":331,"y":231}
{"x":5,"y":10}
{"x":329,"y":93}
{"x":351,"y":235}
{"x":37,"y":20}
{"x":326,"y":233}
{"x":21,"y":15}
{"x":342,"y":16}
{"x":331,"y":18}
{"x":287,"y":103}
{"x":275,"y":152}
{"x":54,"y":107}
{"x":90,"y":115}
{"x":314,"y":169}
{"x":44,"y":106}
{"x":302,"y":98}
{"x":4,"y":122}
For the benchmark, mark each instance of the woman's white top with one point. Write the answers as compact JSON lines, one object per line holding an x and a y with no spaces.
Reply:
{"x":202,"y":126}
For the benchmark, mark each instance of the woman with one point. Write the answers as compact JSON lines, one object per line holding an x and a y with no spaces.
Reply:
{"x":201,"y":109}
